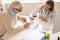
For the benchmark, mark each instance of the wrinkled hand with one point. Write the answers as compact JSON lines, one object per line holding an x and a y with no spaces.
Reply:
{"x":24,"y":19}
{"x":26,"y":25}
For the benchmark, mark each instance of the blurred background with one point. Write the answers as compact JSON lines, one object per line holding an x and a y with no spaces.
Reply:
{"x":29,"y":5}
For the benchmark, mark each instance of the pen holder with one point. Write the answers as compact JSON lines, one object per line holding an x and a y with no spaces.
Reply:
{"x":47,"y":36}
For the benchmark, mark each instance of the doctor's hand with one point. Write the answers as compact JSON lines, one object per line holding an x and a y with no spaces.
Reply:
{"x":26,"y":25}
{"x":42,"y":18}
{"x":31,"y":18}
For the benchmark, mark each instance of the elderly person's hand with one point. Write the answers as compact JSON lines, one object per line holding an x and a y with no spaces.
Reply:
{"x":23,"y":19}
{"x":26,"y":25}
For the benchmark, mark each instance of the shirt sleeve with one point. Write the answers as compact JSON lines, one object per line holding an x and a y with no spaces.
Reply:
{"x":51,"y":17}
{"x":35,"y":11}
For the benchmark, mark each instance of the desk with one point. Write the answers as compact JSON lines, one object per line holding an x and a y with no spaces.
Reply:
{"x":55,"y":36}
{"x":36,"y":35}
{"x":18,"y":36}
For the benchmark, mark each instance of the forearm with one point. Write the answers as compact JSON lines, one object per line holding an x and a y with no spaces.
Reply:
{"x":19,"y":29}
{"x":16,"y":30}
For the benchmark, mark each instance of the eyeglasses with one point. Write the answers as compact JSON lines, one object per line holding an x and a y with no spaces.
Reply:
{"x":18,"y":9}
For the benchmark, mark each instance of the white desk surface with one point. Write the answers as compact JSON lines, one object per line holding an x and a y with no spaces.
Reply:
{"x":8,"y":36}
{"x":19,"y":35}
{"x":55,"y":36}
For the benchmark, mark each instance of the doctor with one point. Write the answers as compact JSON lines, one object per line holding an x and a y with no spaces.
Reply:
{"x":44,"y":12}
{"x":9,"y":18}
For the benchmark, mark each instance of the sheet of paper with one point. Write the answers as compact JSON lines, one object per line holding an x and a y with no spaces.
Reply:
{"x":19,"y":24}
{"x":27,"y":18}
{"x":33,"y":35}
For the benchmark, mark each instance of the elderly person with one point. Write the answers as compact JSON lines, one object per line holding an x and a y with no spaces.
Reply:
{"x":9,"y":18}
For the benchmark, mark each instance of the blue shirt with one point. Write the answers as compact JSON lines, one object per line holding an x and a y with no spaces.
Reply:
{"x":12,"y":13}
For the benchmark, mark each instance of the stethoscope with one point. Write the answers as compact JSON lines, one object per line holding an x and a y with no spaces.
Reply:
{"x":43,"y":11}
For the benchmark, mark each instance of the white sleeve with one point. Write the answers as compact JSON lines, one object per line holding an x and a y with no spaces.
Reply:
{"x":35,"y":11}
{"x":52,"y":17}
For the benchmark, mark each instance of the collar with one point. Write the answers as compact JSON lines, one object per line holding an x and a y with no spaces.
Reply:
{"x":12,"y":13}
